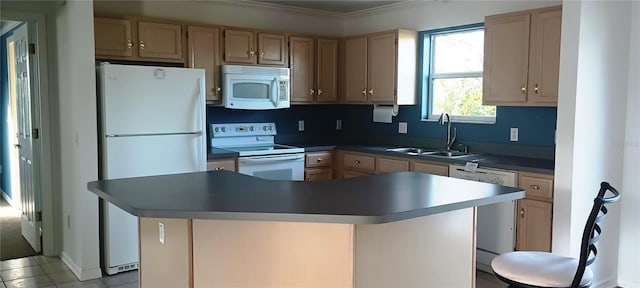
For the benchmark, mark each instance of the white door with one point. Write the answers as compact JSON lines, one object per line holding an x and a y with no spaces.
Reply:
{"x":30,"y":197}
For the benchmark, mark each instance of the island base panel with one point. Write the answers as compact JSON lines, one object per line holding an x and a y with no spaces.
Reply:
{"x":272,"y":254}
{"x":165,"y":264}
{"x":431,"y":251}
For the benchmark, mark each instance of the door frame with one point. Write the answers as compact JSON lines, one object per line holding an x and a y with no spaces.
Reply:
{"x":42,"y":147}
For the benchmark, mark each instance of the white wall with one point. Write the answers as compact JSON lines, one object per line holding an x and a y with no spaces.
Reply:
{"x":78,"y":136}
{"x":591,"y":125}
{"x":629,"y":255}
{"x":226,"y":13}
{"x":426,"y":15}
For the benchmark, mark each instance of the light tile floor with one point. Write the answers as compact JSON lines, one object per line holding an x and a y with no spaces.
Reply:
{"x":40,"y":271}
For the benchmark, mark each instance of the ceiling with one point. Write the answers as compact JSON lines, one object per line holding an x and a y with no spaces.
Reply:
{"x":7,"y":25}
{"x":332,"y":6}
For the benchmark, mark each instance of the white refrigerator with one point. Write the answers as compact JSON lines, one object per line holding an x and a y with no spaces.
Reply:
{"x":152,"y":122}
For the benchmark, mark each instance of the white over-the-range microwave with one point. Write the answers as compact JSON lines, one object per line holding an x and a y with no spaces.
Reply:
{"x":255,"y":88}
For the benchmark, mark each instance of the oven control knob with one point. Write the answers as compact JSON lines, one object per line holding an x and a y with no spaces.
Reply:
{"x":224,"y":129}
{"x":217,"y":129}
{"x":270,"y":128}
{"x":251,"y":128}
{"x":264,"y":128}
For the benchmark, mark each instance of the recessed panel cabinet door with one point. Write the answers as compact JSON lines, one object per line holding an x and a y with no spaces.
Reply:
{"x":544,"y":63}
{"x":302,"y":72}
{"x":272,"y":49}
{"x":327,"y":71}
{"x":204,"y":53}
{"x":356,"y":69}
{"x":382,"y":68}
{"x":534,"y":225}
{"x":239,"y":46}
{"x":113,"y":37}
{"x":159,"y":40}
{"x":506,"y":56}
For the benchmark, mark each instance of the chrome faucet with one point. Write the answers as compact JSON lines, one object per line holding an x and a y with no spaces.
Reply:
{"x":450,"y":139}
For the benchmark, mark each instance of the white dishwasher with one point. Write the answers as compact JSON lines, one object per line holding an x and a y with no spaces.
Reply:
{"x":496,"y":231}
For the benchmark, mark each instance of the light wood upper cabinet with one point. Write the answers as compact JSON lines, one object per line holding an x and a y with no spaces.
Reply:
{"x":380,"y":68}
{"x":113,"y":37}
{"x":521,"y":58}
{"x":138,"y":40}
{"x":314,"y":69}
{"x":240,"y":47}
{"x":159,"y":40}
{"x":204,"y":53}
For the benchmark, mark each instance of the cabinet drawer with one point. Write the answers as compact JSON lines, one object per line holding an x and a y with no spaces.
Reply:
{"x":358,"y":161}
{"x":429,"y":168}
{"x":537,"y":186}
{"x":387,"y":165}
{"x":319,"y":159}
{"x":222,"y":164}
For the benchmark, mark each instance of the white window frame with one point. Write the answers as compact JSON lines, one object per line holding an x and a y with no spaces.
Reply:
{"x":429,"y":62}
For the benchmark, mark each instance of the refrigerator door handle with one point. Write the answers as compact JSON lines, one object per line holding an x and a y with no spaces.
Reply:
{"x":153,"y":134}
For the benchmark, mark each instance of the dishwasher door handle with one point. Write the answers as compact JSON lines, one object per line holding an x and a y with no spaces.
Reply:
{"x":270,"y":159}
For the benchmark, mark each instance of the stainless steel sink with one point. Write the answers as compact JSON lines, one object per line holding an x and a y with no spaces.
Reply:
{"x":410,"y":150}
{"x":447,"y":154}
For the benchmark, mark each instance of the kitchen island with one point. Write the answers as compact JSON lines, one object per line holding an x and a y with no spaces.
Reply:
{"x":223,"y":229}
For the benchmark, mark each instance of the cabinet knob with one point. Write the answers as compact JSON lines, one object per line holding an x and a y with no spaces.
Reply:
{"x":364,"y":91}
{"x":219,"y":168}
{"x":309,"y":179}
{"x":535,"y":89}
{"x":261,"y":53}
{"x":141,"y":45}
{"x":522,"y":212}
{"x":356,"y":161}
{"x":523,"y":89}
{"x":371,"y":91}
{"x":251,"y":53}
{"x":218,"y":89}
{"x":536,"y":187}
{"x":319,"y":91}
{"x":311,"y":92}
{"x":129,"y":44}
{"x":319,"y":160}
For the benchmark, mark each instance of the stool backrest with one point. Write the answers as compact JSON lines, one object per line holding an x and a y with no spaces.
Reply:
{"x":592,"y":230}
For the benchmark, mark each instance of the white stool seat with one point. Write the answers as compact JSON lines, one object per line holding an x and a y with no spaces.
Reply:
{"x":539,"y":269}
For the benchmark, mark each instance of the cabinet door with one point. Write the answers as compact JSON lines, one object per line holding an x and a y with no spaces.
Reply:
{"x":159,"y":40}
{"x":302,"y":55}
{"x":386,"y":165}
{"x":544,"y":63}
{"x":222,"y":164}
{"x":353,"y":174}
{"x":381,"y":73}
{"x":272,"y":49}
{"x":113,"y":37}
{"x":429,"y":168}
{"x":327,"y":70}
{"x":506,"y":56}
{"x":239,"y":46}
{"x":318,"y":174}
{"x":356,"y":70}
{"x":319,"y":159}
{"x":534,"y":225}
{"x":204,"y":53}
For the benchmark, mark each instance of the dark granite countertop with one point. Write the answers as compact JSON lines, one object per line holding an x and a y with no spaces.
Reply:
{"x":363,"y":200}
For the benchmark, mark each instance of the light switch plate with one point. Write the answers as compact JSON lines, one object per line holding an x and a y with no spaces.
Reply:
{"x":513,"y":135}
{"x":301,"y":125}
{"x":402,"y":127}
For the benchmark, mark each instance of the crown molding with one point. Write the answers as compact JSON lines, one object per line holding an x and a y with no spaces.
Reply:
{"x":275,"y":7}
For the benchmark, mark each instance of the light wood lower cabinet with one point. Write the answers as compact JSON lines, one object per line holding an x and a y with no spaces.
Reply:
{"x":228,"y":164}
{"x":170,"y":254}
{"x":318,"y":166}
{"x":389,"y":165}
{"x":318,"y":174}
{"x":430,"y":168}
{"x":535,"y":212}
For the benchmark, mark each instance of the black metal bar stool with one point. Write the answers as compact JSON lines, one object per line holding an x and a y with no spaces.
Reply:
{"x":532,"y":269}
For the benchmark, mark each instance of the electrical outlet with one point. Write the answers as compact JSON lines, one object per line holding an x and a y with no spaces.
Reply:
{"x":402,"y":127}
{"x":301,"y":125}
{"x":513,"y":135}
{"x":338,"y":124}
{"x":161,"y":232}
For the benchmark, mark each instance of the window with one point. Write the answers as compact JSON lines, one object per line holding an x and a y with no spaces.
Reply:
{"x":453,"y":75}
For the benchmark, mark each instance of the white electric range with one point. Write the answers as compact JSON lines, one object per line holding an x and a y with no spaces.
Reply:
{"x":259,"y":156}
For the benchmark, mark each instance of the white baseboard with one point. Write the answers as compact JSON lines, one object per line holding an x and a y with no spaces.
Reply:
{"x":82,"y":275}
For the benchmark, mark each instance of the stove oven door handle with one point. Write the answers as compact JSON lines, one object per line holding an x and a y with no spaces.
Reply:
{"x":265,"y":159}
